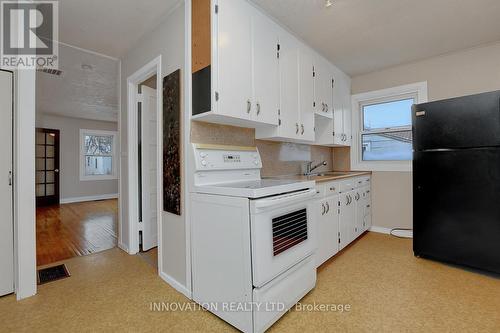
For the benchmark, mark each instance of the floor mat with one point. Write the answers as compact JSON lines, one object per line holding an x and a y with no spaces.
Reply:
{"x":53,"y":273}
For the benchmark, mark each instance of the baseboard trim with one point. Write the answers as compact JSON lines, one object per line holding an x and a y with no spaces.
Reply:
{"x":387,"y":231}
{"x":175,"y":284}
{"x":89,"y":198}
{"x":123,"y":247}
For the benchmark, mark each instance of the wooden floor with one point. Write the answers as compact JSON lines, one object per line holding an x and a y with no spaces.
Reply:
{"x":75,"y":229}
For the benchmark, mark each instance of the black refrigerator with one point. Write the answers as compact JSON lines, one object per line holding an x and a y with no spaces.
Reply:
{"x":456,"y":181}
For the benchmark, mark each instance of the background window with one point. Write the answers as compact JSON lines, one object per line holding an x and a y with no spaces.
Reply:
{"x":98,"y":155}
{"x":387,"y":133}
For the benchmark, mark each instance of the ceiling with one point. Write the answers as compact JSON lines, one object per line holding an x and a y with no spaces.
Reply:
{"x":109,"y":27}
{"x":87,"y":87}
{"x":361,"y":36}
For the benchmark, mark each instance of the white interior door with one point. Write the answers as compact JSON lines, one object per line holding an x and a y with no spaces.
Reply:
{"x":149,"y":146}
{"x":6,"y":222}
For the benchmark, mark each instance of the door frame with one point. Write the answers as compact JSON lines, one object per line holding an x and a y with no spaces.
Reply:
{"x":133,"y":81}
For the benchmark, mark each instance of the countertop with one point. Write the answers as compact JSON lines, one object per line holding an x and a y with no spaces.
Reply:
{"x":327,"y":176}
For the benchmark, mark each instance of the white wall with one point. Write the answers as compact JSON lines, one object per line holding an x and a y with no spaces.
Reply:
{"x":462,"y":73}
{"x":71,"y":188}
{"x":166,"y":40}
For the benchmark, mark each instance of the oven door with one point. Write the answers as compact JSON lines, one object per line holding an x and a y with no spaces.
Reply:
{"x":282,"y":233}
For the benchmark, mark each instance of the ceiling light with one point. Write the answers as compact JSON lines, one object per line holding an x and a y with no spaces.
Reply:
{"x":328,"y":3}
{"x":87,"y":67}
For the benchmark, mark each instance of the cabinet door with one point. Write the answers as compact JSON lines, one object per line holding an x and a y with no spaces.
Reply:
{"x":333,"y":213}
{"x":346,"y":219}
{"x":368,"y":208}
{"x":327,"y":217}
{"x":320,"y":215}
{"x":346,"y":106}
{"x":323,"y":76}
{"x":360,"y":210}
{"x":289,"y":85}
{"x":306,"y":89}
{"x":265,"y":69}
{"x":338,"y":112}
{"x":234,"y":58}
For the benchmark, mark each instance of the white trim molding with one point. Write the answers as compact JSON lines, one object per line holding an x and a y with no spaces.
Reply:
{"x":415,"y":90}
{"x":154,"y":67}
{"x":89,"y":198}
{"x":175,"y":284}
{"x":115,"y":155}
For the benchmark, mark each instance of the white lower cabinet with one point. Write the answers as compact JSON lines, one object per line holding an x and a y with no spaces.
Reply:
{"x":347,"y":220}
{"x":343,"y":213}
{"x":327,"y":217}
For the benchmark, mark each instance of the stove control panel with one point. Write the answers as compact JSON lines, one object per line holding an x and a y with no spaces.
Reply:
{"x":216,"y":157}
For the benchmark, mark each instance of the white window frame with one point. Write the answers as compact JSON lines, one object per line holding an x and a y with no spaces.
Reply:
{"x":415,"y":90}
{"x":84,"y":177}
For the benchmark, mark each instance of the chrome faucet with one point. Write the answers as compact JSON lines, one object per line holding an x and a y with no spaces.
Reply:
{"x":310,"y":167}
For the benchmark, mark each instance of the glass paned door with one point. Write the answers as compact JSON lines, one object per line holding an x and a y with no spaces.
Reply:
{"x":47,"y":167}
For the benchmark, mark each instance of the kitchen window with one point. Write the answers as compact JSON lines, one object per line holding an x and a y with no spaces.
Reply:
{"x":98,"y":155}
{"x":382,"y":127}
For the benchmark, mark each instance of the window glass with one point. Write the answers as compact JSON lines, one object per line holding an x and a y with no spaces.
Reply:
{"x":98,"y":155}
{"x":387,"y":146}
{"x":387,"y":115}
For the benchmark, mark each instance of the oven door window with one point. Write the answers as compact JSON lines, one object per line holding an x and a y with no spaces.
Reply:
{"x":289,"y":230}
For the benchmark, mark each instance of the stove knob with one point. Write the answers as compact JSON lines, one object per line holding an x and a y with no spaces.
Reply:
{"x":256,"y":162}
{"x":203,"y":155}
{"x":204,"y":163}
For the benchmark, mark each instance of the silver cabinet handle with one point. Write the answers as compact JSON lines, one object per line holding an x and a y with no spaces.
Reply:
{"x":302,"y":126}
{"x":258,"y":108}
{"x":249,"y":106}
{"x":327,"y":207}
{"x":10,"y":178}
{"x":296,"y":128}
{"x":324,"y":209}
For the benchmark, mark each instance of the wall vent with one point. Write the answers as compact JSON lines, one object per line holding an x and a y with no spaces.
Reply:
{"x":55,"y":72}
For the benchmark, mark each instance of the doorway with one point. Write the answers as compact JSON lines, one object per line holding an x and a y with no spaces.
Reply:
{"x":47,"y":167}
{"x":77,"y":156}
{"x":144,"y":161}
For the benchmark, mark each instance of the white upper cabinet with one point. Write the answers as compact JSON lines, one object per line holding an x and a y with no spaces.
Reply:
{"x":296,"y":93}
{"x":306,"y":94}
{"x":234,"y":60}
{"x":265,"y":69}
{"x":323,"y":90}
{"x":250,"y":72}
{"x":337,"y":132}
{"x":242,"y":78}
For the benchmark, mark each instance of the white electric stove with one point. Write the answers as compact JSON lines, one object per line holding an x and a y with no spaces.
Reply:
{"x":253,"y":239}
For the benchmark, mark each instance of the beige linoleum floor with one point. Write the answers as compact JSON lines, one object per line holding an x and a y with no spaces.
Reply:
{"x":387,"y":288}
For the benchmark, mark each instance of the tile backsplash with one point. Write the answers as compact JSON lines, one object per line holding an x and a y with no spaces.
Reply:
{"x":278,"y":158}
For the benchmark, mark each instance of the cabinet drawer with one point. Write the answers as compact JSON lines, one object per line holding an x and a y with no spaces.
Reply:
{"x":346,"y":185}
{"x":286,"y":289}
{"x":320,"y":190}
{"x":332,"y":188}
